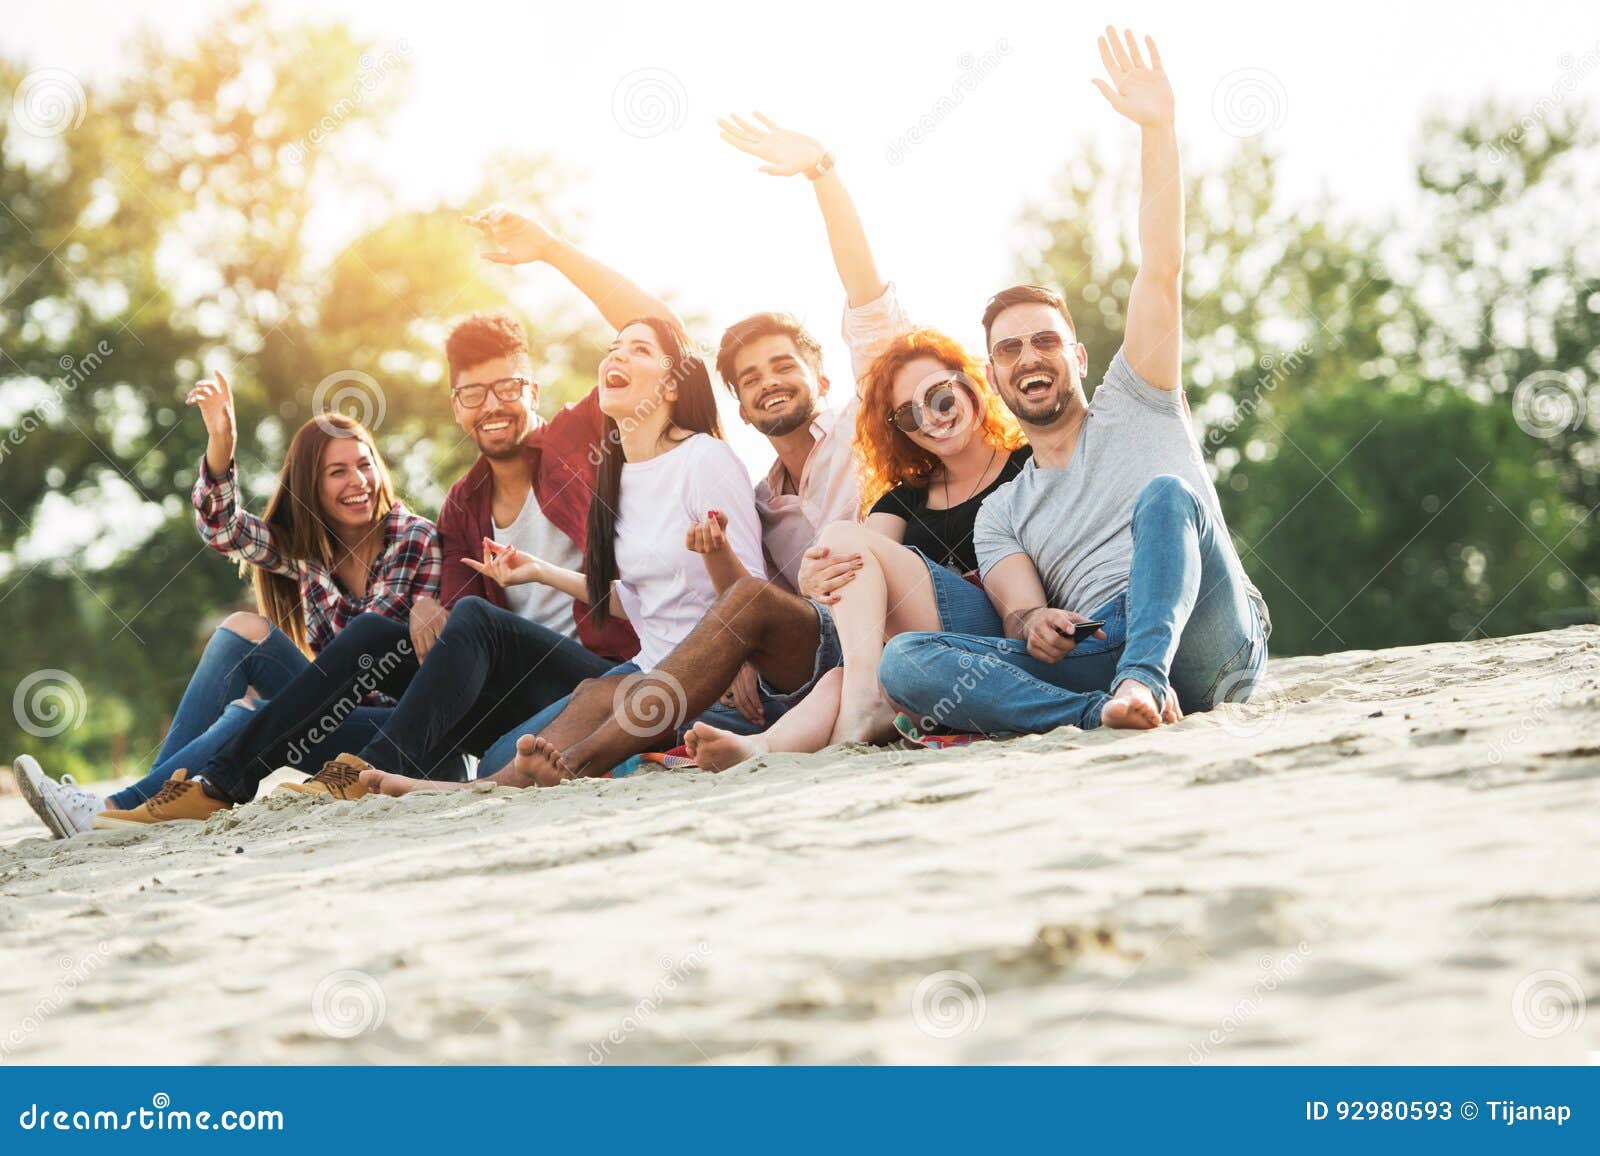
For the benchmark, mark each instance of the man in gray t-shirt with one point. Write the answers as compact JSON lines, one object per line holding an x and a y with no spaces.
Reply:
{"x":1114,"y":519}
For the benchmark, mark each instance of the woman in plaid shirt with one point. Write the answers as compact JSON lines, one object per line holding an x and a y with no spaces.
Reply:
{"x":333,"y":544}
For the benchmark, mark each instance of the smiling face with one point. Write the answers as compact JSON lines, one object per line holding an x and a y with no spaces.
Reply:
{"x":1039,"y":387}
{"x":924,"y":380}
{"x":636,"y":378}
{"x":778,"y":390}
{"x":347,"y":483}
{"x":496,"y":427}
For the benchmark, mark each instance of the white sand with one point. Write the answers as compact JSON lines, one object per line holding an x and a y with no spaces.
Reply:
{"x":1307,"y":878}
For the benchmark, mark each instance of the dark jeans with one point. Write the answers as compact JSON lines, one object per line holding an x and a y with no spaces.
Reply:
{"x":488,"y":672}
{"x":294,"y":729}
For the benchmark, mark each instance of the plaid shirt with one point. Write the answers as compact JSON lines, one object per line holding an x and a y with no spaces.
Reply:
{"x":408,"y":566}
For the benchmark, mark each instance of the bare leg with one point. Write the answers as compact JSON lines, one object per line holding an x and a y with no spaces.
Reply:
{"x":805,"y":728}
{"x":891,"y":594}
{"x":753,"y":621}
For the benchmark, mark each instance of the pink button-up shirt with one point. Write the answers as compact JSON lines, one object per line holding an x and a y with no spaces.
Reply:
{"x":792,"y":515}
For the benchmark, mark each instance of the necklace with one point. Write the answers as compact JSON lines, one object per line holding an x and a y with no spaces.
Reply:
{"x":976,"y":486}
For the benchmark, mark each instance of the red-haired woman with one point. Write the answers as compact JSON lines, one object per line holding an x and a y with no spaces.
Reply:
{"x":933,"y":440}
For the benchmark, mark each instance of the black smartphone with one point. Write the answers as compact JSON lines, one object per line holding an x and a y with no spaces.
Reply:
{"x":1081,"y":630}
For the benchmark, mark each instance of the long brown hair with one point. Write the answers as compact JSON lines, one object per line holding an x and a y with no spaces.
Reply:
{"x":296,"y":518}
{"x":885,"y":457}
{"x":694,"y":409}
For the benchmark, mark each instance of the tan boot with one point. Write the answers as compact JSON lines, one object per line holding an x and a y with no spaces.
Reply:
{"x":339,"y":778}
{"x":177,"y":799}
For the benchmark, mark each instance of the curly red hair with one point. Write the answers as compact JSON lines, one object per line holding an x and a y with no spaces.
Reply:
{"x":885,"y":457}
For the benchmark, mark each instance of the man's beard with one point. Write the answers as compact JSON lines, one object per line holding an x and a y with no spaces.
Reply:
{"x":780,"y":424}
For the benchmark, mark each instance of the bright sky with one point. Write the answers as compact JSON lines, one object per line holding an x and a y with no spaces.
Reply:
{"x":1343,"y":91}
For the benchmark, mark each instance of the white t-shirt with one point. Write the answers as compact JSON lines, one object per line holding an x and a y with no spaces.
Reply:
{"x":533,"y":533}
{"x":663,"y":586}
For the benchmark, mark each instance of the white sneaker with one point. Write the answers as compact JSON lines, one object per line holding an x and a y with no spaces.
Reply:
{"x":66,"y":808}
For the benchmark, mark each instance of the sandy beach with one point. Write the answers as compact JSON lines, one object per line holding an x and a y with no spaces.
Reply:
{"x":1389,"y":857}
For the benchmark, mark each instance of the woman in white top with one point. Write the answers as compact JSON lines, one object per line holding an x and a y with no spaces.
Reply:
{"x":664,"y":473}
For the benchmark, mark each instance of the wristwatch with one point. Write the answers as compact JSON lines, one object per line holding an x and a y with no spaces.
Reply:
{"x":821,"y":167}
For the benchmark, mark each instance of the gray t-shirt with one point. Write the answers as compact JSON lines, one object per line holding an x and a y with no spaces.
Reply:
{"x":1077,"y":523}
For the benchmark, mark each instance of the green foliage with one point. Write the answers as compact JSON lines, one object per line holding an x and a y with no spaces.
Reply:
{"x":167,"y":235}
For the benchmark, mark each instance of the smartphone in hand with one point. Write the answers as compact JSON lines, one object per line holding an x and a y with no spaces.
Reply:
{"x":1081,"y":630}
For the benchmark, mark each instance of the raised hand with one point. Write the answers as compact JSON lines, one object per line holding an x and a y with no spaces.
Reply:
{"x":1139,"y":91}
{"x":516,"y":238}
{"x":786,"y":152}
{"x":507,"y":565}
{"x":215,"y":399}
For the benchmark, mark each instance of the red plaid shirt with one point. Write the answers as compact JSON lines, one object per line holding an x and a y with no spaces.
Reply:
{"x":408,"y":566}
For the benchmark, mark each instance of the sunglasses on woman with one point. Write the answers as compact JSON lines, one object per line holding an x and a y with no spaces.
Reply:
{"x":940,"y":402}
{"x":1046,"y":341}
{"x":506,"y":389}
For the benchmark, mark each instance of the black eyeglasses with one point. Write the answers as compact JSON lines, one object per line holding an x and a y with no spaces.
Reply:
{"x":940,"y":402}
{"x":1046,"y":341}
{"x":506,"y":389}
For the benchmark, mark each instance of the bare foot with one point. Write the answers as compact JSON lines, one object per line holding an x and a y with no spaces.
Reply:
{"x":385,"y":783}
{"x":538,"y":764}
{"x":869,"y":719}
{"x":1132,"y":707}
{"x":715,"y":749}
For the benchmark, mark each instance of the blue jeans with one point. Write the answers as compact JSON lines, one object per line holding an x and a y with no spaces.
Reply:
{"x":1185,"y":620}
{"x":206,"y":717}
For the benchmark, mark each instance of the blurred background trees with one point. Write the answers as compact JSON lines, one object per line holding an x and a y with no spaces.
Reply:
{"x":1363,"y":391}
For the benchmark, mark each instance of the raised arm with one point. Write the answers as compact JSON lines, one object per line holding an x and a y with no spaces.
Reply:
{"x":518,"y":239}
{"x":1153,"y":342}
{"x":788,"y":153}
{"x":225,"y":525}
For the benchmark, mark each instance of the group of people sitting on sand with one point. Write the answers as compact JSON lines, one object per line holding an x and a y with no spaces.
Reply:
{"x":967,"y":546}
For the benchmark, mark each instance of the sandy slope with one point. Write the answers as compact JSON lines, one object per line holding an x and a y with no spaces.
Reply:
{"x":1395,"y":856}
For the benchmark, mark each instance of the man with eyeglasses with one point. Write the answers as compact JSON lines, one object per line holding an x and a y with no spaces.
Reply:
{"x":530,"y":488}
{"x":1115,"y":515}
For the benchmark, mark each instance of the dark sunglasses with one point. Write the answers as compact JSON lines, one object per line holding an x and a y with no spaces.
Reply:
{"x":506,"y":389}
{"x":1046,"y":341}
{"x":940,"y":402}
